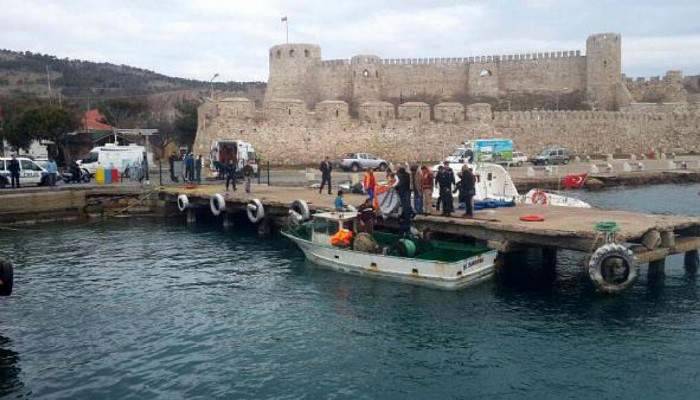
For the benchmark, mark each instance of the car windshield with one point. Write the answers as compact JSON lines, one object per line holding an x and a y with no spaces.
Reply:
{"x":90,"y":158}
{"x":545,"y":153}
{"x":349,"y":155}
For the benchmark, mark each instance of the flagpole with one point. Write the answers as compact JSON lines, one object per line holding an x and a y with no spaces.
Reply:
{"x":286,"y":25}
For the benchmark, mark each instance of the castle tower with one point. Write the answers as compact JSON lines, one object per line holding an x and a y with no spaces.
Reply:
{"x":293,"y":70}
{"x":603,"y":70}
{"x":366,"y":78}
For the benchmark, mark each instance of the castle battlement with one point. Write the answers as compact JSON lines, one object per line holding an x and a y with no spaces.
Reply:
{"x":297,"y":70}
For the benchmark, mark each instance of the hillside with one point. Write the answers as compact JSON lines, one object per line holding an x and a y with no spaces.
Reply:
{"x":26,"y":72}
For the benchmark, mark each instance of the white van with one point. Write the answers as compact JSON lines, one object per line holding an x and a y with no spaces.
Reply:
{"x":224,"y":150}
{"x":112,"y":156}
{"x":30,"y":172}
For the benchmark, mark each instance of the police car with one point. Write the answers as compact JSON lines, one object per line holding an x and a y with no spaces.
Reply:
{"x":30,"y":173}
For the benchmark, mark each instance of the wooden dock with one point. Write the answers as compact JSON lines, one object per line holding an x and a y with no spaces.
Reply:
{"x":651,"y":237}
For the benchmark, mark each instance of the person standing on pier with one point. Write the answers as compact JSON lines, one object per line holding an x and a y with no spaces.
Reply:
{"x":466,"y":188}
{"x":171,"y":162}
{"x":198,"y":169}
{"x":403,"y":188}
{"x":416,"y":189}
{"x":189,"y":167}
{"x":427,"y":181}
{"x":326,"y":168}
{"x":13,"y":167}
{"x":248,"y":175}
{"x":369,"y":183}
{"x":445,"y":180}
{"x":231,"y":174}
{"x":52,"y":171}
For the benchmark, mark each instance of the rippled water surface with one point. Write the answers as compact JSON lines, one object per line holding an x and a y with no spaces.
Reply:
{"x":141,"y":309}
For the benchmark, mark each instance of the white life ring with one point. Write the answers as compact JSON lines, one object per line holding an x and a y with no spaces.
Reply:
{"x":613,"y":268}
{"x":182,"y":202}
{"x":255,"y":211}
{"x":217,"y":203}
{"x":301,"y":208}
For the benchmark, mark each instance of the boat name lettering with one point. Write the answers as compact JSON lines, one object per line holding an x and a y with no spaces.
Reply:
{"x":474,"y":262}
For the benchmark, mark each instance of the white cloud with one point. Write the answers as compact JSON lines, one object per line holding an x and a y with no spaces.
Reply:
{"x":194,"y":39}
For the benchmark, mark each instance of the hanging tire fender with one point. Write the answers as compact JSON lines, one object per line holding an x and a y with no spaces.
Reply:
{"x":182,"y":202}
{"x":607,"y":260}
{"x":301,"y":208}
{"x":255,"y":211}
{"x":217,"y":204}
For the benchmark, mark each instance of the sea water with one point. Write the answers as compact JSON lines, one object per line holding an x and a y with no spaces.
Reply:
{"x":140,"y":309}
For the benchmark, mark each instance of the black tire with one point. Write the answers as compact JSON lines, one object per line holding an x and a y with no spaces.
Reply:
{"x":355,"y":167}
{"x":612,"y":268}
{"x":85,"y":176}
{"x":3,"y":182}
{"x":7,"y":278}
{"x":383,"y":167}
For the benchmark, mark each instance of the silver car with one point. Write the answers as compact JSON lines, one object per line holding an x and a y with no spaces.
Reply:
{"x":358,"y":161}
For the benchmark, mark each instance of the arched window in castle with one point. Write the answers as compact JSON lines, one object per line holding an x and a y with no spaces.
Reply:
{"x":365,"y":73}
{"x":289,"y":111}
{"x":605,"y":63}
{"x":484,"y":73}
{"x":420,"y":115}
{"x":376,"y":74}
{"x":380,"y":113}
{"x":291,"y":53}
{"x":279,"y":53}
{"x":306,"y":53}
{"x":336,"y":113}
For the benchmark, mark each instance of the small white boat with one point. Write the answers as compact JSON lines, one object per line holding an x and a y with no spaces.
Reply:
{"x":495,"y":183}
{"x":432,"y":263}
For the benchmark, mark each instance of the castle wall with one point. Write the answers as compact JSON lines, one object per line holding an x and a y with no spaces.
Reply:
{"x":668,"y":89}
{"x":299,"y":138}
{"x":437,"y":81}
{"x":335,"y":80}
{"x":561,"y":74}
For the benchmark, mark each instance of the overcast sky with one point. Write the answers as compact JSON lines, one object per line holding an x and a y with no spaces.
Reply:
{"x":195,"y":39}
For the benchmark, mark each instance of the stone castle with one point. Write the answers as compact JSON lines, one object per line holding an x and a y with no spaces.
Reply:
{"x":419,"y":109}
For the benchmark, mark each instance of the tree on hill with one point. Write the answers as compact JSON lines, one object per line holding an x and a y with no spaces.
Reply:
{"x":124,"y":113}
{"x":186,"y":121}
{"x":34,"y":119}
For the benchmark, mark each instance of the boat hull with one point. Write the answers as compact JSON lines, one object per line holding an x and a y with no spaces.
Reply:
{"x":434,"y":274}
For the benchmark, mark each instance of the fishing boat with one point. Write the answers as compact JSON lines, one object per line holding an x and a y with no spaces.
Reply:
{"x":432,"y":263}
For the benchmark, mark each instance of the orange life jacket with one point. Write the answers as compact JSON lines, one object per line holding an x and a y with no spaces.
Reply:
{"x":342,"y":238}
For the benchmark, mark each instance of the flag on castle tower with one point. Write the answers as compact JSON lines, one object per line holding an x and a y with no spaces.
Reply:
{"x":284,"y":19}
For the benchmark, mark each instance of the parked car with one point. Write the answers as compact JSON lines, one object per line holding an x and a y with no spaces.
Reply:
{"x":358,"y":161}
{"x":30,"y":173}
{"x":519,"y":158}
{"x":553,"y":155}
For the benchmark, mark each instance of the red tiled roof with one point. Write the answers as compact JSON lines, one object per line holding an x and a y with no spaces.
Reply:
{"x":93,"y":120}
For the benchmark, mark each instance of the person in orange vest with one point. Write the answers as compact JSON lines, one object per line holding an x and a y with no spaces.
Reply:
{"x":369,"y":183}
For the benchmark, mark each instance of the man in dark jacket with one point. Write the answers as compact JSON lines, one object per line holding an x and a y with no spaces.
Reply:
{"x":403,"y":188}
{"x":198,"y":169}
{"x":467,"y":190}
{"x":171,"y":162}
{"x":445,"y":180}
{"x":231,"y":174}
{"x":13,"y":167}
{"x":326,"y":168}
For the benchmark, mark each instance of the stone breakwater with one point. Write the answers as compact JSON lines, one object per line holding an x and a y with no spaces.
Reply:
{"x":286,"y":133}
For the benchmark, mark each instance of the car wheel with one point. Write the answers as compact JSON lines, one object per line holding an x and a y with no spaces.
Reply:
{"x":85,"y":176}
{"x":355,"y":167}
{"x":382,"y":167}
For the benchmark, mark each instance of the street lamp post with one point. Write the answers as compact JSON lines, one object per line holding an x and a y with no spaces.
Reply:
{"x":211,"y":84}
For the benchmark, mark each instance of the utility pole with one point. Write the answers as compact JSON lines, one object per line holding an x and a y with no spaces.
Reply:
{"x":48,"y":81}
{"x":211,"y":83}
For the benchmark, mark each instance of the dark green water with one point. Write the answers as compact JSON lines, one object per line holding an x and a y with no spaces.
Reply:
{"x":137,"y":309}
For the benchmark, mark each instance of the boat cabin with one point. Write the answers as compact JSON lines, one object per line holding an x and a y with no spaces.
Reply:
{"x":327,"y":224}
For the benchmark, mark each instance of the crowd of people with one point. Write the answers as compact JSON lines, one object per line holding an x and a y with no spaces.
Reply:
{"x":417,"y":183}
